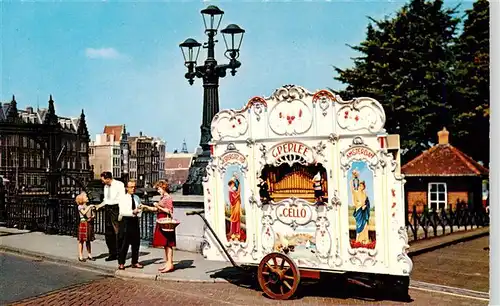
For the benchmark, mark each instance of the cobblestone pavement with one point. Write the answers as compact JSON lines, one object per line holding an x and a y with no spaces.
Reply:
{"x":116,"y":291}
{"x":464,"y":265}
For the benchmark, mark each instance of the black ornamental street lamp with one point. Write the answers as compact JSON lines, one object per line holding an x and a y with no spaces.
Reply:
{"x":210,"y":72}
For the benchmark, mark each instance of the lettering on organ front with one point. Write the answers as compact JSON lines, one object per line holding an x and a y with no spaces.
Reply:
{"x":294,"y":212}
{"x":287,"y":148}
{"x":299,"y":214}
{"x":232,"y":157}
{"x":360,"y":151}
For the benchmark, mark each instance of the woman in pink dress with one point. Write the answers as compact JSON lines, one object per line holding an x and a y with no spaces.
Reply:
{"x":164,"y":239}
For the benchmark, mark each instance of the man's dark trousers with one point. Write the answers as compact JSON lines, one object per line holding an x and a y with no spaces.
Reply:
{"x":112,"y":229}
{"x":129,"y":236}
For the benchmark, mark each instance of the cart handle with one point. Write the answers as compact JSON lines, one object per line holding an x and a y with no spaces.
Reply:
{"x":199,"y":213}
{"x":194,"y":212}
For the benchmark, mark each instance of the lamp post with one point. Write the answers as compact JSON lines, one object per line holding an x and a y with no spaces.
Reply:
{"x":210,"y":72}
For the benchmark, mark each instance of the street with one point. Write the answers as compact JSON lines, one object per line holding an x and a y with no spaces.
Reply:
{"x":23,"y":277}
{"x":110,"y":292}
{"x":464,"y":265}
{"x":433,"y":272}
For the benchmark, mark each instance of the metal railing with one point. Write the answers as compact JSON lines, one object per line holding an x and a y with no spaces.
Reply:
{"x":426,"y":223}
{"x":61,"y":217}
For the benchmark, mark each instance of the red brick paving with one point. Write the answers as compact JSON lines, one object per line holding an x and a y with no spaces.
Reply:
{"x":465,"y":265}
{"x":114,"y":291}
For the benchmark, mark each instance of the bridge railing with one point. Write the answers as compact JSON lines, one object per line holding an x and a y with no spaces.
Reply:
{"x":432,"y":223}
{"x":61,"y":217}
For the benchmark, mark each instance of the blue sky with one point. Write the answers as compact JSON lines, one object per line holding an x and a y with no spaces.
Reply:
{"x":120,"y":61}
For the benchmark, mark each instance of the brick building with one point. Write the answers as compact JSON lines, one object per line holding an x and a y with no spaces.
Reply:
{"x":443,"y":176}
{"x":109,"y":152}
{"x":141,"y":158}
{"x":177,"y":167}
{"x":23,"y":161}
{"x":147,"y":155}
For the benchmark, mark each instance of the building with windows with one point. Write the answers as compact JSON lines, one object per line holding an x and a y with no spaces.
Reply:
{"x":443,"y":176}
{"x":133,"y":167}
{"x":159,"y":160}
{"x":105,"y":155}
{"x":177,"y":166}
{"x":28,"y":144}
{"x":141,"y":158}
{"x":147,"y":159}
{"x":110,"y":152}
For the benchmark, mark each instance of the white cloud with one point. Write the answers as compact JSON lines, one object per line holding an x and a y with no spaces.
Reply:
{"x":106,"y":53}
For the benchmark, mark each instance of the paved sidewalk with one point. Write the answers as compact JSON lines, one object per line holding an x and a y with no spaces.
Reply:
{"x":190,"y":267}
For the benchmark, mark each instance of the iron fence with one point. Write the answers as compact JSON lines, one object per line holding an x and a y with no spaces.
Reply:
{"x":422,"y":225}
{"x":61,"y":216}
{"x":146,"y":224}
{"x":26,"y":213}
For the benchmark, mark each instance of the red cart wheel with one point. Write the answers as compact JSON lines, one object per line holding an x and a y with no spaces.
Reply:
{"x":278,"y":276}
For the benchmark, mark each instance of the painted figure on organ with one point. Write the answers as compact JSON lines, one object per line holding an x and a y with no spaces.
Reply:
{"x":235,"y":203}
{"x":318,"y":188}
{"x":265,"y":197}
{"x":355,"y":180}
{"x":361,"y":212}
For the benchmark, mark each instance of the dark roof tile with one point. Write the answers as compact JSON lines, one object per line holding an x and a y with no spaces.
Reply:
{"x":443,"y":160}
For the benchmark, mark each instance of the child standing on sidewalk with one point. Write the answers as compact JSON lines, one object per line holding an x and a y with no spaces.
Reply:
{"x":86,"y":227}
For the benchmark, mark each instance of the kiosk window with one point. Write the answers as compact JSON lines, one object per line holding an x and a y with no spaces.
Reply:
{"x":437,"y":196}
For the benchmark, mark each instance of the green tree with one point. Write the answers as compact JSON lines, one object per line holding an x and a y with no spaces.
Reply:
{"x":406,"y":63}
{"x":471,"y":112}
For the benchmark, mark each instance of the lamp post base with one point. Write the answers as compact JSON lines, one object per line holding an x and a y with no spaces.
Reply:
{"x":197,"y":171}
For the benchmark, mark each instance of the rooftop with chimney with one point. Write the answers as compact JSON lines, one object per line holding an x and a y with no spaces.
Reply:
{"x":443,"y":159}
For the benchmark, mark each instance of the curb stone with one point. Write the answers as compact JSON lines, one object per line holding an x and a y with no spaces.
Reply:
{"x":134,"y":275}
{"x":58,"y":260}
{"x":432,"y":247}
{"x":104,"y":270}
{"x":184,"y":280}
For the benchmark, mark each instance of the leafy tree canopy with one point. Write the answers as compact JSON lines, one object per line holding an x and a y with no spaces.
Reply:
{"x":410,"y":64}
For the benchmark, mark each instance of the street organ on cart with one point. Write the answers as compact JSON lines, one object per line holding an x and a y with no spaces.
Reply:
{"x":304,"y":182}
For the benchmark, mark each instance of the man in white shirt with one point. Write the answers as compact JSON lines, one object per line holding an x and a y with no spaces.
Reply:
{"x":129,"y":227}
{"x":113,"y":191}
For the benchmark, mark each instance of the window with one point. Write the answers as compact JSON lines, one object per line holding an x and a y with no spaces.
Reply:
{"x":437,"y":196}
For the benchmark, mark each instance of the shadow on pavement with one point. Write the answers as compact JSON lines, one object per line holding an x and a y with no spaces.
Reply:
{"x":103,"y":255}
{"x":184,"y":264}
{"x":149,"y":261}
{"x":329,"y":286}
{"x":3,"y":234}
{"x":129,"y":255}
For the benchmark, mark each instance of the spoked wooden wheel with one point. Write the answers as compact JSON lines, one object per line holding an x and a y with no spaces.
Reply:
{"x":278,"y":276}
